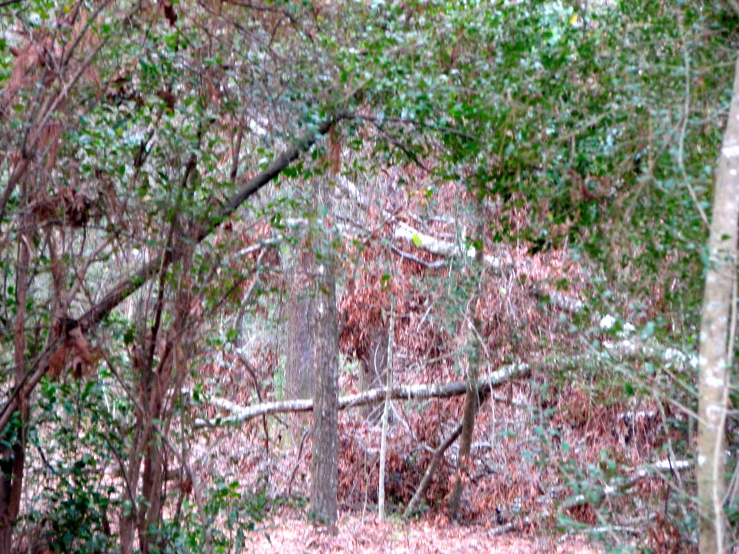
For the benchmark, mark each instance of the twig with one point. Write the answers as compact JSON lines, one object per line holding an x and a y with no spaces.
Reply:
{"x":684,"y":126}
{"x":306,"y":433}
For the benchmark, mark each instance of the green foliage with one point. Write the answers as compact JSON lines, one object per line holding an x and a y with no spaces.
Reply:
{"x":601,"y":126}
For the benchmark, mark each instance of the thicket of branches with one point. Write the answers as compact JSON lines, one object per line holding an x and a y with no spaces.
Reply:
{"x":523,"y":182}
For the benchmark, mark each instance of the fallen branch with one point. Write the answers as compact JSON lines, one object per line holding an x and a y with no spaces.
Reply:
{"x":430,"y":470}
{"x":440,"y":247}
{"x":407,"y":392}
{"x":623,"y":486}
{"x":431,"y":265}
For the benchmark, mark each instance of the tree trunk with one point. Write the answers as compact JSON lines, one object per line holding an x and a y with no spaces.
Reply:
{"x":472,"y":399}
{"x":386,"y":415}
{"x":325,"y":462}
{"x":13,"y":458}
{"x":299,"y":364}
{"x":716,"y":322}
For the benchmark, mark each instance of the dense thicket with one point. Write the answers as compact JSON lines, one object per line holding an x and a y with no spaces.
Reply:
{"x":158,"y":169}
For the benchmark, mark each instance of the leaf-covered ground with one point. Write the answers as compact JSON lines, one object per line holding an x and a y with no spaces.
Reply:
{"x":289,"y":533}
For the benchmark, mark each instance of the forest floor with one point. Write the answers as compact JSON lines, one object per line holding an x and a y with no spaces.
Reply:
{"x":288,"y":533}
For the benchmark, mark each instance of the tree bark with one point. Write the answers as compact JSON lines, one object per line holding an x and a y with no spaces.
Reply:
{"x":715,"y":324}
{"x":325,"y":462}
{"x":299,"y":364}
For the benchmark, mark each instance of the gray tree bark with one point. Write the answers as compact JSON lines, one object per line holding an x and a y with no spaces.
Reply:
{"x":325,"y":462}
{"x":299,"y":366}
{"x":299,"y":363}
{"x":715,"y":329}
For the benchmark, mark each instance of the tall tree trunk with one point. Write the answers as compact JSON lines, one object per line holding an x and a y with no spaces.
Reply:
{"x":299,"y":364}
{"x":299,"y":367}
{"x":472,"y":399}
{"x":12,"y":461}
{"x":325,"y":462}
{"x":714,"y":354}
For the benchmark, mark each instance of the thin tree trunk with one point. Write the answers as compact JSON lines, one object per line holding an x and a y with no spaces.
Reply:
{"x":299,"y":363}
{"x":386,"y":415}
{"x":415,"y":502}
{"x":325,"y":462}
{"x":472,"y":400}
{"x":715,"y":324}
{"x":13,"y":458}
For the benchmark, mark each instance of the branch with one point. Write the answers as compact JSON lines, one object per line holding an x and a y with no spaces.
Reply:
{"x":431,"y":265}
{"x":439,"y":247}
{"x":622,"y":486}
{"x":426,"y":481}
{"x":124,"y":288}
{"x":407,"y":392}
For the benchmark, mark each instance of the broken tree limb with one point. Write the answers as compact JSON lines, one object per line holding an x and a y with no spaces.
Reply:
{"x":623,"y":485}
{"x":415,"y":502}
{"x":124,"y":288}
{"x":403,"y":392}
{"x":431,"y":265}
{"x":440,"y":247}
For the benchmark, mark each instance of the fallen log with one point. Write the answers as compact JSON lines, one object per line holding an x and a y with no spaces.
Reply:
{"x":402,"y":392}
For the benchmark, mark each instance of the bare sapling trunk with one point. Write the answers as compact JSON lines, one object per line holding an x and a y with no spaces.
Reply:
{"x":472,"y":399}
{"x":715,"y":329}
{"x":12,"y":459}
{"x":325,"y":463}
{"x":386,"y":416}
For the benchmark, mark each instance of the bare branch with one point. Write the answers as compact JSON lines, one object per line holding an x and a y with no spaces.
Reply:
{"x":407,"y":392}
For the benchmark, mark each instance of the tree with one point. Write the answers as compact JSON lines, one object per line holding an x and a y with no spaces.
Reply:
{"x":717,"y":336}
{"x":299,"y":376}
{"x":325,"y":432}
